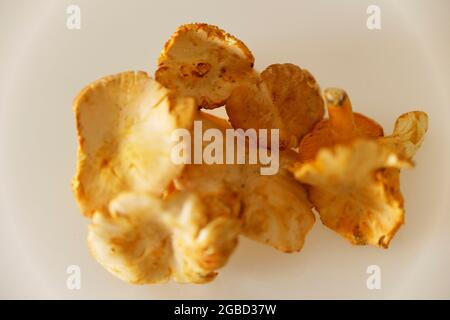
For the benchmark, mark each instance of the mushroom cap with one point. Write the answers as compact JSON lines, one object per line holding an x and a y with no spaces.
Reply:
{"x":204,"y":62}
{"x":144,"y":239}
{"x":323,"y":135}
{"x":277,"y":211}
{"x":286,"y":97}
{"x":355,"y":188}
{"x":124,"y":125}
{"x":131,"y":241}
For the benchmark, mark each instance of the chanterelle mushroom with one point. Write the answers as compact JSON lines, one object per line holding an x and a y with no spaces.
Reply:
{"x":124,"y":124}
{"x":286,"y":97}
{"x":353,"y":173}
{"x":204,"y":62}
{"x":342,"y":125}
{"x":143,"y":239}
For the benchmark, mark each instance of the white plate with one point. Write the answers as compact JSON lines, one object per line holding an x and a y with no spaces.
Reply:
{"x":43,"y":65}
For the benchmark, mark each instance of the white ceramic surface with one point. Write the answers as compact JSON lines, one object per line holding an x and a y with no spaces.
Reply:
{"x":43,"y":65}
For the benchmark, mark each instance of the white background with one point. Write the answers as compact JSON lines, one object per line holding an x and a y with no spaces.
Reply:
{"x":401,"y":67}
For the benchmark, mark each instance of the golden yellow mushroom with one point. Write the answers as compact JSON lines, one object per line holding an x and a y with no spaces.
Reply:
{"x":204,"y":62}
{"x":286,"y":97}
{"x":353,"y":175}
{"x":343,"y":125}
{"x":124,"y":124}
{"x":143,"y":239}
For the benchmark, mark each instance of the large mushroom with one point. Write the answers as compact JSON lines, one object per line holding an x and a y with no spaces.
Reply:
{"x":124,"y":123}
{"x":352,"y":172}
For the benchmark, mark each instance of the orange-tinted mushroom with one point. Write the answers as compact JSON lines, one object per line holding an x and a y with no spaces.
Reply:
{"x":342,"y":126}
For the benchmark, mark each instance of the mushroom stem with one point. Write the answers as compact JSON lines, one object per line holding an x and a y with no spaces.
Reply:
{"x":340,"y":113}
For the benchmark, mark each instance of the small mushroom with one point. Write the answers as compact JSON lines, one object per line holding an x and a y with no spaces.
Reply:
{"x":204,"y":62}
{"x":286,"y":97}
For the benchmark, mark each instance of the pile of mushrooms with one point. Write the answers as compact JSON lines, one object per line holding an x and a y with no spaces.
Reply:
{"x":153,"y":219}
